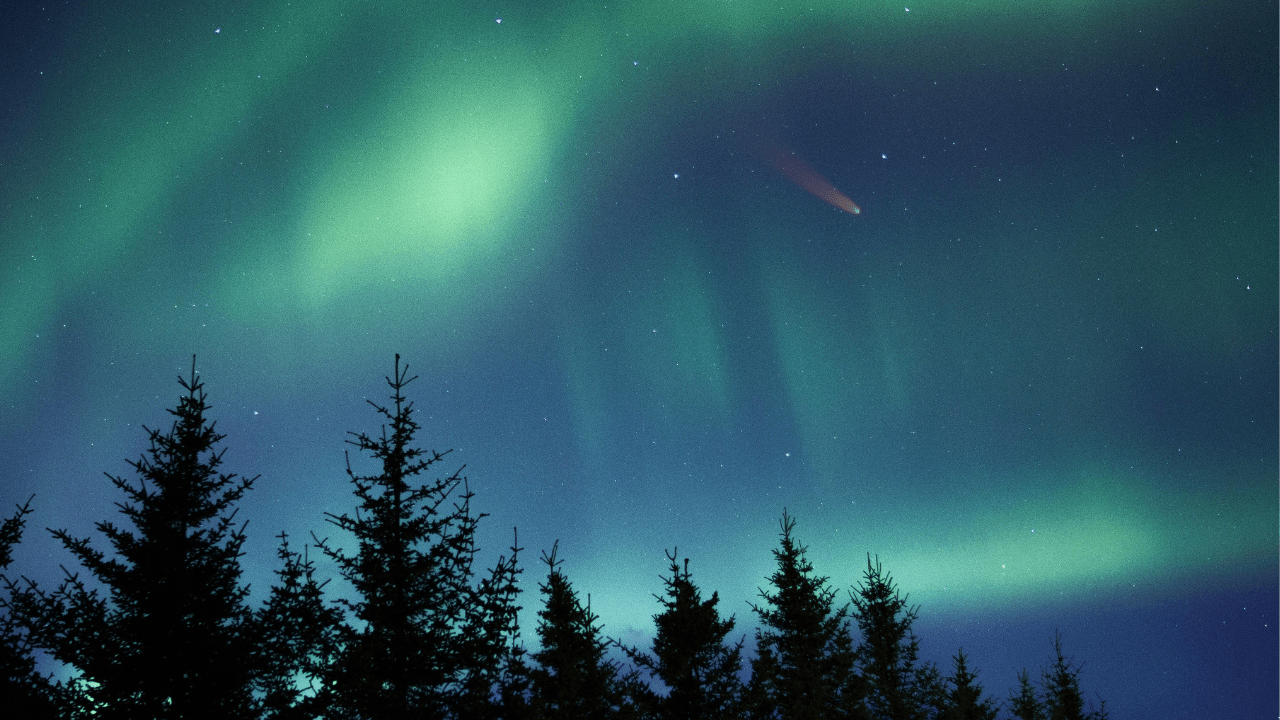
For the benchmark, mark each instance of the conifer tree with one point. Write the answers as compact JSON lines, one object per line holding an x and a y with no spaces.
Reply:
{"x":495,"y":682}
{"x":298,"y":638}
{"x":896,"y":688}
{"x":26,"y":693}
{"x":1058,"y":697}
{"x":424,"y":637}
{"x":573,"y":678}
{"x":804,"y":665}
{"x":514,"y":681}
{"x":931,"y":691}
{"x":173,"y":637}
{"x":1025,"y":702}
{"x":690,"y":656}
{"x":1060,"y":687}
{"x":964,"y":699}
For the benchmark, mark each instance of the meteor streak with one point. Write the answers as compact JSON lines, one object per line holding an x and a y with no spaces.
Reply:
{"x":800,"y":173}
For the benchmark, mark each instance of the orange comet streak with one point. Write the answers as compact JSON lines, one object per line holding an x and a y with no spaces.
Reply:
{"x":795,"y":168}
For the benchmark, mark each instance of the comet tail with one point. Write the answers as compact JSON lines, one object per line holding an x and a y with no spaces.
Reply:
{"x":799,"y":171}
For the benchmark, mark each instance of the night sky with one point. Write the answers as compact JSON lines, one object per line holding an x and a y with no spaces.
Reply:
{"x":1036,"y":375}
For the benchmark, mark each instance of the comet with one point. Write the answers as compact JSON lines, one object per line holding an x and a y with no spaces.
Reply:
{"x":801,"y":173}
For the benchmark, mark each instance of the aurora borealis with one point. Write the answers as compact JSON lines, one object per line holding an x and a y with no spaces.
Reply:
{"x":1037,"y":375}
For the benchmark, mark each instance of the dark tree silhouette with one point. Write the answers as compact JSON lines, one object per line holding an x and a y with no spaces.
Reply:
{"x":964,"y":699}
{"x":1060,"y":687}
{"x":426,"y":641}
{"x":26,"y":693}
{"x":495,"y":679}
{"x":690,"y":656}
{"x":931,"y":691}
{"x":1059,"y":696}
{"x":298,"y":638}
{"x":1025,"y":702}
{"x":573,"y":678}
{"x":513,"y":681}
{"x":11,"y":532}
{"x":804,"y":669}
{"x":173,"y":638}
{"x":896,"y":688}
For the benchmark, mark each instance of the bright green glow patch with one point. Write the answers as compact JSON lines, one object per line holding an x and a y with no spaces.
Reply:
{"x":436,"y":183}
{"x":1089,"y":531}
{"x":1066,"y":536}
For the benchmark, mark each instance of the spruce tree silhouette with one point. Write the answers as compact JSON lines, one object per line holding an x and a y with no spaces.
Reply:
{"x":573,"y":679}
{"x":1059,"y":696}
{"x":26,"y":693}
{"x":804,"y":665}
{"x":964,"y":700}
{"x":896,"y":688}
{"x":931,"y":690}
{"x":426,"y":642}
{"x":1024,"y":704}
{"x":690,"y":656}
{"x":495,"y":678}
{"x":1060,"y":687}
{"x":173,"y":638}
{"x":298,"y":634}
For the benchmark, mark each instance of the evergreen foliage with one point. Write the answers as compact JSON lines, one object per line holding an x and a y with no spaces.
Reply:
{"x":26,"y":693}
{"x":1058,"y":697}
{"x":690,"y":656}
{"x":574,"y":679}
{"x":804,"y":669}
{"x":964,"y":699}
{"x":1024,"y":703}
{"x":11,"y":532}
{"x":896,"y":688}
{"x":1060,"y":686}
{"x":298,"y":638}
{"x":931,"y":691}
{"x":425,"y":638}
{"x":173,"y":638}
{"x":495,"y":679}
{"x":514,"y":680}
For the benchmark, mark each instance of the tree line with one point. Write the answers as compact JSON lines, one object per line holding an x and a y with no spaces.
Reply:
{"x":161,"y":625}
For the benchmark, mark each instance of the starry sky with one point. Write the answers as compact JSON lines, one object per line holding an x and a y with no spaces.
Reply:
{"x":1036,"y":375}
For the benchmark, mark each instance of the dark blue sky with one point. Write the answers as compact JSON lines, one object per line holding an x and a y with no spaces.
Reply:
{"x":1037,"y":375}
